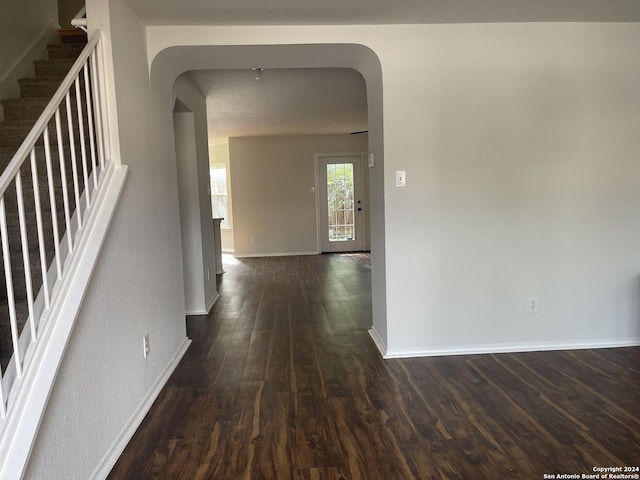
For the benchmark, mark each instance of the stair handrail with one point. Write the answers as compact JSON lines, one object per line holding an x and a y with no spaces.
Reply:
{"x":80,"y":20}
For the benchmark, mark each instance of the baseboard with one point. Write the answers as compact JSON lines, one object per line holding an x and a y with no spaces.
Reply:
{"x":207,"y":309}
{"x":212,"y":301}
{"x":279,"y":254}
{"x":379,"y":342}
{"x":112,"y":456}
{"x":507,"y":348}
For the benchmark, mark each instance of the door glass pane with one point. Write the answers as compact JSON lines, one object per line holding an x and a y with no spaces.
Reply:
{"x":340,"y":199}
{"x":219,"y":207}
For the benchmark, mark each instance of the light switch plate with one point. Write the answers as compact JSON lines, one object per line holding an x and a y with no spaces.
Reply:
{"x":372,"y":160}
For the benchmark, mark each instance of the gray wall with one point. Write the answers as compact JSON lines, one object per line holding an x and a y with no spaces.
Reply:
{"x":25,"y":29}
{"x":273,"y":183}
{"x":192,"y":163}
{"x":67,"y":9}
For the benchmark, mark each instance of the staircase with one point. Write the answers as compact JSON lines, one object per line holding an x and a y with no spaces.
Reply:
{"x":20,"y":116}
{"x":60,"y":182}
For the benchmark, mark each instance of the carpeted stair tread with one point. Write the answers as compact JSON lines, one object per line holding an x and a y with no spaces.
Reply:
{"x":24,"y":108}
{"x":22,"y":310}
{"x":65,"y":51}
{"x":57,"y":67}
{"x":6,"y":344}
{"x":13,"y":133}
{"x":39,"y":87}
{"x":7,"y":154}
{"x":4,"y":361}
{"x":18,"y":276}
{"x":44,"y":86}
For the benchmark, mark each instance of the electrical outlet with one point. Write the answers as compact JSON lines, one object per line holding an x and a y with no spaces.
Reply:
{"x":401,"y":178}
{"x":145,"y":346}
{"x":254,"y":239}
{"x":532,"y":304}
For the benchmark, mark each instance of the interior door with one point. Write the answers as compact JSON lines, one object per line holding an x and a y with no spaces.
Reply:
{"x":340,"y":203}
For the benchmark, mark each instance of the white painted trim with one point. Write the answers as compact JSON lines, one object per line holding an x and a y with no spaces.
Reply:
{"x":280,"y":254}
{"x":30,"y":401}
{"x":378,"y":340}
{"x":210,"y":305}
{"x":212,"y":301}
{"x":508,"y":348}
{"x":111,"y":457}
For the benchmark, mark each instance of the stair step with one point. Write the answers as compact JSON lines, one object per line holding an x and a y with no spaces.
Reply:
{"x":17,"y":272}
{"x":22,"y":313}
{"x":14,"y":133}
{"x":34,"y":252}
{"x":7,"y":153}
{"x":24,"y":108}
{"x":53,"y":68}
{"x":29,"y":109}
{"x":39,"y":87}
{"x":72,"y":35}
{"x":15,"y":245}
{"x":66,"y":50}
{"x":45,"y":87}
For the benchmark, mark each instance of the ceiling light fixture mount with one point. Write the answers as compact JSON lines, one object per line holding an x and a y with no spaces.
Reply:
{"x":258,"y":71}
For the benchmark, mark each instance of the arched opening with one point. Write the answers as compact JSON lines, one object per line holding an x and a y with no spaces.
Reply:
{"x":170,"y":63}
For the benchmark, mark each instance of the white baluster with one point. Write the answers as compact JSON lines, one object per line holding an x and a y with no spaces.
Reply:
{"x":83,"y":151}
{"x":52,"y":201}
{"x":63,"y":176}
{"x":25,"y":253}
{"x":41,"y":246}
{"x":10,"y":294}
{"x":97,"y":108}
{"x":74,"y":164}
{"x":92,"y":143}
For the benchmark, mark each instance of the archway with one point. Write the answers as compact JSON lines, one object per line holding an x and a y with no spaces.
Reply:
{"x":171,"y":62}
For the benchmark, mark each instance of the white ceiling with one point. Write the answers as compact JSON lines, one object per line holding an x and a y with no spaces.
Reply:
{"x":296,"y":101}
{"x":283,"y":102}
{"x":365,"y":12}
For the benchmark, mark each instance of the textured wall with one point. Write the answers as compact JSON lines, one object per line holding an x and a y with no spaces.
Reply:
{"x":192,"y":163}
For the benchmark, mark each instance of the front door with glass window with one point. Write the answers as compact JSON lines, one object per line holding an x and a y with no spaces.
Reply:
{"x":340,"y":203}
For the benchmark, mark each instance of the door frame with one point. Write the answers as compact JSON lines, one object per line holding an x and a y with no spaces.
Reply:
{"x":364,"y":173}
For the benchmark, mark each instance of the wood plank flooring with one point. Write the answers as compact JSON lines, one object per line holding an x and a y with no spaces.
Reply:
{"x":283,"y":382}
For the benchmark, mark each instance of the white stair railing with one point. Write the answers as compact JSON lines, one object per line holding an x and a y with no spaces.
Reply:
{"x":80,"y":20}
{"x":53,"y":180}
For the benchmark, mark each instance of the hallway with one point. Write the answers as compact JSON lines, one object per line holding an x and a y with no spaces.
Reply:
{"x":283,"y":382}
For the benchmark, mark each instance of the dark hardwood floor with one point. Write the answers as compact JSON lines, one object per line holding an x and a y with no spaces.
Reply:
{"x":283,"y":382}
